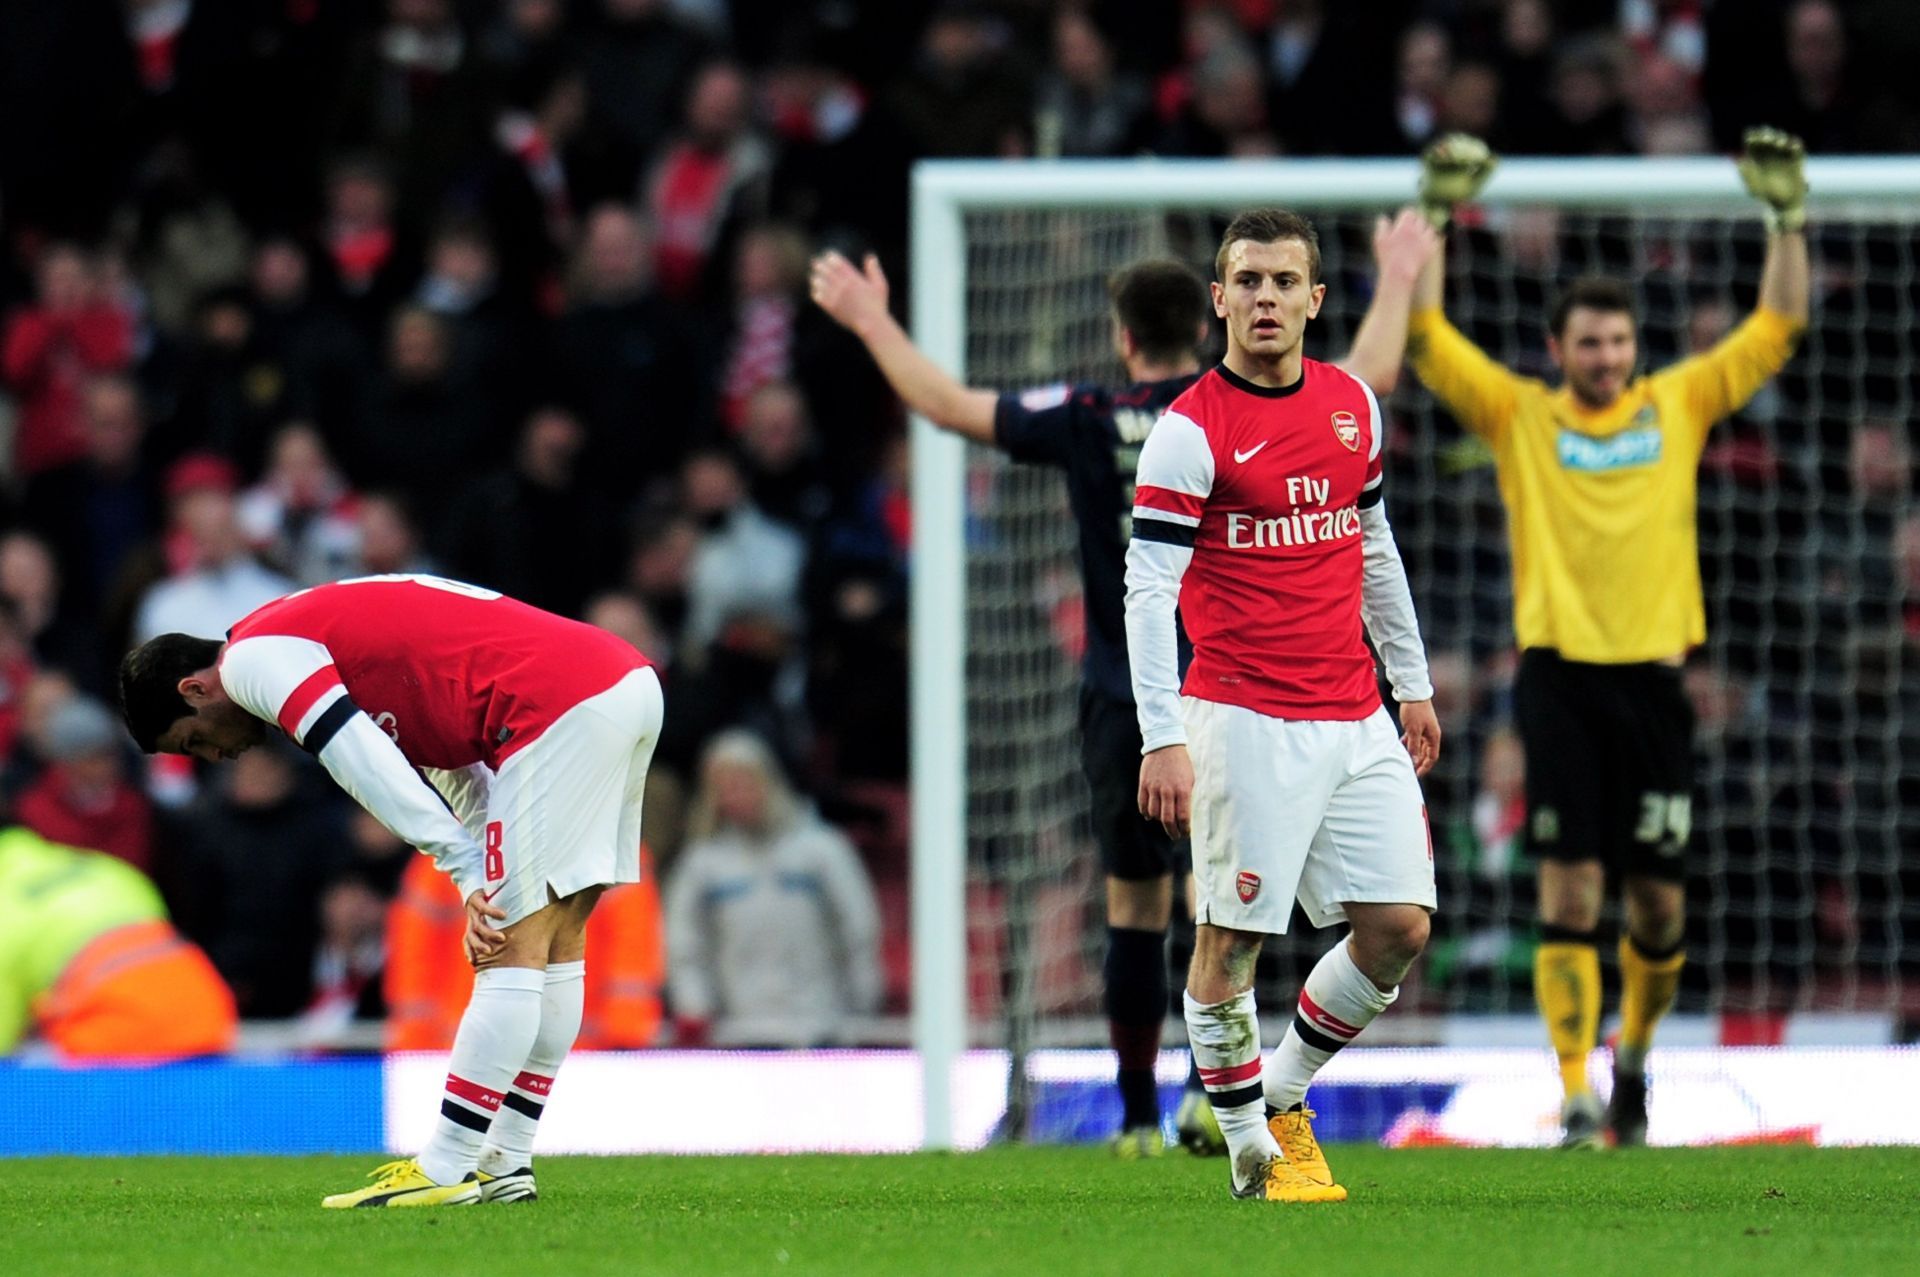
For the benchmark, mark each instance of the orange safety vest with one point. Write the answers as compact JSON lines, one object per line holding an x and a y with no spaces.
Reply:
{"x":428,"y":981}
{"x":138,"y":992}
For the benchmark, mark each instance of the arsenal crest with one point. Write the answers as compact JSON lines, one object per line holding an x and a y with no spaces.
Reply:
{"x":1248,"y":885}
{"x":1347,"y":428}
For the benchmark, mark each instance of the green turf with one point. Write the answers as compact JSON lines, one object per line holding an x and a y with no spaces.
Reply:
{"x":1044,"y":1211}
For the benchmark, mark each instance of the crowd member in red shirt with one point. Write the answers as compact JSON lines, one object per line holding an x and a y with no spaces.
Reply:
{"x":83,"y":798}
{"x":50,"y":350}
{"x":709,"y":177}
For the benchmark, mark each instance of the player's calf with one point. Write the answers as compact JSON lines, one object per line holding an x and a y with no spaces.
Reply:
{"x":1223,"y":1029}
{"x":506,"y":1161}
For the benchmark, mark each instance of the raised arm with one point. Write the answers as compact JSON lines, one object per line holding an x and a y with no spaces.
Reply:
{"x":1401,"y":250}
{"x":1430,"y":286}
{"x":1453,"y":169}
{"x":857,"y":301}
{"x":1773,"y":166}
{"x":1718,"y":381}
{"x":1479,"y":392}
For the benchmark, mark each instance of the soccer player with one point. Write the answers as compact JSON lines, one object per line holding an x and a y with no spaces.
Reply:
{"x":1598,"y":479}
{"x":1095,"y":434}
{"x":1258,"y":510}
{"x":536,"y":730}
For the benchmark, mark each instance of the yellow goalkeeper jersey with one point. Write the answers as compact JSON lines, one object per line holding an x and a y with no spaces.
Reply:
{"x":1601,"y":503}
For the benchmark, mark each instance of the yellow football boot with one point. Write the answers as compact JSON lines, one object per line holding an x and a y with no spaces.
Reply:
{"x":1293,"y":1132}
{"x":1137,"y":1143}
{"x":403,"y":1183}
{"x":1278,"y":1182}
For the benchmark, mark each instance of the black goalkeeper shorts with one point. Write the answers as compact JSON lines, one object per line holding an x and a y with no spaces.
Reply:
{"x":1131,"y":846}
{"x":1609,"y":753}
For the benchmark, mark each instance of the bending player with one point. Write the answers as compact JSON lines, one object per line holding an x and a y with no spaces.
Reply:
{"x":536,"y":730}
{"x":1598,"y":480}
{"x":1094,"y":434}
{"x":1258,"y":511}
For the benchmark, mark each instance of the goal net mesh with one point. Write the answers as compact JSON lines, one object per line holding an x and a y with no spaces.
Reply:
{"x":1804,"y":874}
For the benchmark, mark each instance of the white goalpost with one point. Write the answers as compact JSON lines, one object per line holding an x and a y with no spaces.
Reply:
{"x":1799,"y":856}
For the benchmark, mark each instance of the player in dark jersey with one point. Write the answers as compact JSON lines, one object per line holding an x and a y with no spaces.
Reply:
{"x":1162,"y":314}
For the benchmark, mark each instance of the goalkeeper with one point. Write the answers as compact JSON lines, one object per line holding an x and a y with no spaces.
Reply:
{"x":1161,"y":317}
{"x":1598,"y":477}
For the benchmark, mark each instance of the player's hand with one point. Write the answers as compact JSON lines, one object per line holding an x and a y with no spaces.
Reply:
{"x":1774,"y":167}
{"x":483,"y":939}
{"x":1403,"y":245}
{"x":1453,"y":168}
{"x":1420,"y":733}
{"x":852,"y":297}
{"x":1166,"y":789}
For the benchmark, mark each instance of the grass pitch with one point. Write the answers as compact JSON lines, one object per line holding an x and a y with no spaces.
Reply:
{"x":1746,"y":1211}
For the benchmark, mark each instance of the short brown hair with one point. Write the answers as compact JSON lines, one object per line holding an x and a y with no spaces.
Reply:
{"x":1592,"y":292}
{"x":1162,"y":303}
{"x":1268,"y":226}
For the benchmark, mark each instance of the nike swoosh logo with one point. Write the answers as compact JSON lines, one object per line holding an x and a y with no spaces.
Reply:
{"x":489,"y":895}
{"x":1244,"y":457}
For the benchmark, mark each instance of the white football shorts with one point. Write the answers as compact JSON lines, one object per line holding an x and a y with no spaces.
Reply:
{"x":563,"y":814}
{"x":1319,"y":811}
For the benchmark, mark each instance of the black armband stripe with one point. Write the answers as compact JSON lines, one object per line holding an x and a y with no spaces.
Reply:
{"x":1371,"y":497}
{"x":328,"y":725}
{"x":1165,"y":531}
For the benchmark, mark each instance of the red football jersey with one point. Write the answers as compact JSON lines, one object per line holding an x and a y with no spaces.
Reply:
{"x":1268,"y":482}
{"x":455,"y":674}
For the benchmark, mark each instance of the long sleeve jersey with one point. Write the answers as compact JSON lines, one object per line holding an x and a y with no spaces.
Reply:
{"x":1601,"y":502}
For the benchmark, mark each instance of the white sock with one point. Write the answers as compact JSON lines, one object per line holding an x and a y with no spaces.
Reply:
{"x":496,"y":1033}
{"x":1336,"y":1002}
{"x":1225,"y":1038}
{"x":509,"y":1145}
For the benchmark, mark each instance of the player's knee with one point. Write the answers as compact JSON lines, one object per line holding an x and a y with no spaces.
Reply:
{"x":1402,"y":936}
{"x":1656,"y":912}
{"x":1570,"y":895}
{"x":1223,"y":962}
{"x":1139,"y":904}
{"x":1414,"y":933}
{"x":1386,"y":941}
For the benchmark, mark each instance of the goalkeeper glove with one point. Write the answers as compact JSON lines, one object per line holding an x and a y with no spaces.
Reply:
{"x":1453,"y":168}
{"x":1774,"y":167}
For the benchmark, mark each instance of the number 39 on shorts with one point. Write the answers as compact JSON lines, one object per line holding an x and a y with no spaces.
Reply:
{"x":1665,"y":821}
{"x":496,"y":861}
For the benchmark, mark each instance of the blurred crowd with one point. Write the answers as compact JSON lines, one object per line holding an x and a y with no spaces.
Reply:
{"x":513,"y":290}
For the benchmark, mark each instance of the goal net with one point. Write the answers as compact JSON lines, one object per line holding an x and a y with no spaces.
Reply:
{"x":1804,"y":873}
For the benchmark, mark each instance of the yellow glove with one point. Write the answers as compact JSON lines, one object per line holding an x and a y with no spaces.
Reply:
{"x":1453,"y":168}
{"x":1774,"y":167}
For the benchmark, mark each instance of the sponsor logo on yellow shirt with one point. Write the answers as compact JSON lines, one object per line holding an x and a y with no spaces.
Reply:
{"x":1616,"y":452}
